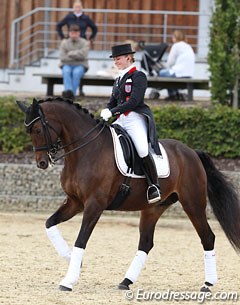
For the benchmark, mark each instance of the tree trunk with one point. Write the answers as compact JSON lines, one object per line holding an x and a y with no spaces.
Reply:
{"x":235,"y":95}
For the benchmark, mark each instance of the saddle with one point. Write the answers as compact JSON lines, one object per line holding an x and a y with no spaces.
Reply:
{"x":130,"y":154}
{"x":127,"y":160}
{"x":130,"y":164}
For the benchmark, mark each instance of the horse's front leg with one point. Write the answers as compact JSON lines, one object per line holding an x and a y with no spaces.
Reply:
{"x":147,"y":225}
{"x":91,"y":214}
{"x":66,"y":211}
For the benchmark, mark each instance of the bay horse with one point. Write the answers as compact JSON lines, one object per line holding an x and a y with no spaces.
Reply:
{"x":91,"y":180}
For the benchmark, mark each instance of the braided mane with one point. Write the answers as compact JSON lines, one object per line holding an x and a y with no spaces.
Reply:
{"x":68,"y":101}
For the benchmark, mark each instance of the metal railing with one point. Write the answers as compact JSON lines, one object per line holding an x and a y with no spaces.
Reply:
{"x":31,"y":40}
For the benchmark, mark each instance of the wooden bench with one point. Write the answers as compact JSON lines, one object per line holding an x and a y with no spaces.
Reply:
{"x":153,"y":82}
{"x":90,"y":80}
{"x":179,"y":83}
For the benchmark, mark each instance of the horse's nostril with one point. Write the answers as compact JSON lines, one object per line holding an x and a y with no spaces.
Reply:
{"x":42,"y":164}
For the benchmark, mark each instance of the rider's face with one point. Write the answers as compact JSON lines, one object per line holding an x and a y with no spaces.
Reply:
{"x":122,"y":62}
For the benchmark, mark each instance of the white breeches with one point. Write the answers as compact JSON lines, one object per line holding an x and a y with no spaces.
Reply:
{"x":136,"y":126}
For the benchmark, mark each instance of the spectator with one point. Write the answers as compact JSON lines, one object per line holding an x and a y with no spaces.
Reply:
{"x":74,"y":61}
{"x":180,"y":63}
{"x":78,"y":17}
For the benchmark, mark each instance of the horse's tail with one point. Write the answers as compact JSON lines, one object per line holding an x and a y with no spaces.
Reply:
{"x":223,"y":200}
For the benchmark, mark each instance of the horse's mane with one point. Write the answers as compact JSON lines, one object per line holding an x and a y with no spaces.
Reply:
{"x":60,"y":99}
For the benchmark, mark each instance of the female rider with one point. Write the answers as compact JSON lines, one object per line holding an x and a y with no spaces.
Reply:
{"x":127,"y":103}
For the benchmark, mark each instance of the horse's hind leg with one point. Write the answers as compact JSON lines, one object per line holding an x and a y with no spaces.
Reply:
{"x":197,"y":215}
{"x":147,"y":225}
{"x":66,"y":211}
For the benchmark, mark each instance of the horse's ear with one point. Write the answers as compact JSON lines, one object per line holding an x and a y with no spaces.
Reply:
{"x":35,"y":105}
{"x":35,"y":102}
{"x":22,"y":106}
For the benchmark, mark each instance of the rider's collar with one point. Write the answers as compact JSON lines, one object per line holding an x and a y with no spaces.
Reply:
{"x":124,"y":71}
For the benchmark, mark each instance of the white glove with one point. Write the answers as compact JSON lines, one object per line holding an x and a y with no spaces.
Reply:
{"x":106,"y":114}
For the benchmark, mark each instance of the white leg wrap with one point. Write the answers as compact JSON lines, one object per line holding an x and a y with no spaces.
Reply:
{"x":136,"y":266}
{"x":210,"y":267}
{"x":58,"y":242}
{"x":74,"y":268}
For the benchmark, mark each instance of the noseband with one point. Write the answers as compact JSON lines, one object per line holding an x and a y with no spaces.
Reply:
{"x":50,"y":147}
{"x":53,"y":148}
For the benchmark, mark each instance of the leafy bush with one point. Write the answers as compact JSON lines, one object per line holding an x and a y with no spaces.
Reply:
{"x":223,"y":56}
{"x":13,"y":137}
{"x":214,"y":130}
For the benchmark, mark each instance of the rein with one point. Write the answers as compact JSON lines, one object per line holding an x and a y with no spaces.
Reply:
{"x":82,"y":145}
{"x":53,"y":148}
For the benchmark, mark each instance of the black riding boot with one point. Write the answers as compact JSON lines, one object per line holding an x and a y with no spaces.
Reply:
{"x":153,"y":192}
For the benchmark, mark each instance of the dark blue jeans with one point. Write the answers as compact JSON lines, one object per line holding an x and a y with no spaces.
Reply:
{"x":72,"y":77}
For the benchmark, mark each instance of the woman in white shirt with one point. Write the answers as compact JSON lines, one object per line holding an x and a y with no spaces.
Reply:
{"x":180,"y":63}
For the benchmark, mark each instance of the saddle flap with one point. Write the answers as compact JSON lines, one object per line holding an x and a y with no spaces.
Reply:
{"x":131,"y":158}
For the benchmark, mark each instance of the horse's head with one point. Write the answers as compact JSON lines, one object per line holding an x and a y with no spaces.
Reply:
{"x":44,"y":132}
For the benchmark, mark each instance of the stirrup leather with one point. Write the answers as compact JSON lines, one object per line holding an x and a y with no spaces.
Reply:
{"x":155,"y":196}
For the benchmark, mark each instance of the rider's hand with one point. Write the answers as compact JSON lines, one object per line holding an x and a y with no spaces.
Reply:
{"x":106,"y":114}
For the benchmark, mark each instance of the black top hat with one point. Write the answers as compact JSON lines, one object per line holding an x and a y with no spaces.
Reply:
{"x":123,"y":49}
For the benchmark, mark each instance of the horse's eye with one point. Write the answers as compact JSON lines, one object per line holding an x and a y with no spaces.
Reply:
{"x":37,"y":130}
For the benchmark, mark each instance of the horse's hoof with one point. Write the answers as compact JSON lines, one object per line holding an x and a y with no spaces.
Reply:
{"x":205,"y":289}
{"x":64,"y":288}
{"x":123,"y":287}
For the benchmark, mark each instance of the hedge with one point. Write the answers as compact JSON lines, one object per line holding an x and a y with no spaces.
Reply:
{"x":215,"y":130}
{"x":13,"y":137}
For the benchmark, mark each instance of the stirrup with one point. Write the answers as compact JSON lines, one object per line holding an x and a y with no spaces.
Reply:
{"x":155,"y":196}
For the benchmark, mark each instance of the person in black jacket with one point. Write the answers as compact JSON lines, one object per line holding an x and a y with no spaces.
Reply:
{"x":79,"y":18}
{"x":127,"y":103}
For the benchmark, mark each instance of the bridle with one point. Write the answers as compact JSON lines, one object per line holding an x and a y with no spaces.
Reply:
{"x":53,"y":148}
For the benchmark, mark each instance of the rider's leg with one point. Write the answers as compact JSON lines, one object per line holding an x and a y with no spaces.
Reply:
{"x":136,"y":126}
{"x":153,"y":194}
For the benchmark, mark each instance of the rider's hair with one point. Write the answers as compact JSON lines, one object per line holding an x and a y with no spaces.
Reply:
{"x":132,"y":59}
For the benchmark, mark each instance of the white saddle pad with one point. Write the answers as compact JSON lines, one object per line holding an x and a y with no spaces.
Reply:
{"x":162,"y":163}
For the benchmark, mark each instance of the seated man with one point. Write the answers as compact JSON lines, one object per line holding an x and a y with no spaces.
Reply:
{"x":74,"y":61}
{"x":180,"y":63}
